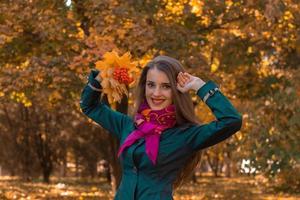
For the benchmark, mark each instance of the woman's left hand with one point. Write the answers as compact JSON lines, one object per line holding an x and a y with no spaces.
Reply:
{"x":186,"y":82}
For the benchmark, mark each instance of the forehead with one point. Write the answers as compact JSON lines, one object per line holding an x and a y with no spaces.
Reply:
{"x":155,"y":75}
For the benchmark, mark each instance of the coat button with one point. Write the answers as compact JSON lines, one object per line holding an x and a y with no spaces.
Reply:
{"x":134,"y":169}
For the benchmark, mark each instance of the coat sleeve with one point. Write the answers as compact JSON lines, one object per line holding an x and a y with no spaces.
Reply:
{"x":98,"y":111}
{"x":228,"y":120}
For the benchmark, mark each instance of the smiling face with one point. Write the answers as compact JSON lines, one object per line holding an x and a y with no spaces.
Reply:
{"x":158,"y":90}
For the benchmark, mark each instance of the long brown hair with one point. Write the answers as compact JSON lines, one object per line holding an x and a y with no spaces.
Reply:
{"x":185,"y":114}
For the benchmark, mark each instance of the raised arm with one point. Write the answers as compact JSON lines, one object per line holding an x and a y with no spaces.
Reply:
{"x":91,"y":106}
{"x":228,"y":120}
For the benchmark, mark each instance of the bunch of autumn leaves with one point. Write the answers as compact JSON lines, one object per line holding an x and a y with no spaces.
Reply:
{"x":117,"y":74}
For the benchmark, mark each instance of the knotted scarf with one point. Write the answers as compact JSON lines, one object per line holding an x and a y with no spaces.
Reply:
{"x":149,"y":125}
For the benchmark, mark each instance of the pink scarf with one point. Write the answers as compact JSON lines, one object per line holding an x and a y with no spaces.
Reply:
{"x":150,"y":124}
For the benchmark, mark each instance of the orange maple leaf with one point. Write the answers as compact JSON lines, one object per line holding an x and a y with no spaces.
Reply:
{"x":117,"y":72}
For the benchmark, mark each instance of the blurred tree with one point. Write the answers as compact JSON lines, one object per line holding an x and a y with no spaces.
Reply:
{"x":250,"y":48}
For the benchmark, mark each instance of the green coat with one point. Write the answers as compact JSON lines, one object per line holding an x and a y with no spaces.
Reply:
{"x":141,"y":180}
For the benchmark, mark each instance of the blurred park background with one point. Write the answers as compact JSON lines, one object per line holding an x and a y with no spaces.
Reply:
{"x":251,"y":48}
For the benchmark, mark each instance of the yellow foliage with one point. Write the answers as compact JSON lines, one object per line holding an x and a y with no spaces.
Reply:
{"x":70,"y":15}
{"x":258,"y":15}
{"x":288,"y":16}
{"x":54,"y":96}
{"x":250,"y":50}
{"x":121,"y":33}
{"x":290,"y":25}
{"x":228,"y":3}
{"x":237,"y":32}
{"x":80,"y":33}
{"x":205,"y":20}
{"x":6,"y":39}
{"x":111,"y":87}
{"x":20,"y":97}
{"x":175,"y":8}
{"x":23,"y":65}
{"x":264,"y":69}
{"x":145,"y":59}
{"x":197,"y":7}
{"x":214,"y":66}
{"x":128,"y":24}
{"x":266,"y":34}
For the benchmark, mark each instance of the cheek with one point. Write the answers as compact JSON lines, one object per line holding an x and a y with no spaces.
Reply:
{"x":147,"y":91}
{"x":168,"y":94}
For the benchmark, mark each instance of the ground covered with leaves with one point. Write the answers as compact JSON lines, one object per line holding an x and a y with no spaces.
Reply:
{"x":206,"y":188}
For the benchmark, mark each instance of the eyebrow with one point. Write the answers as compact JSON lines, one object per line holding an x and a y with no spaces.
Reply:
{"x":161,"y":83}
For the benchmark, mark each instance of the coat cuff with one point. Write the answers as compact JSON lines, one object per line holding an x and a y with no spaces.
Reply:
{"x":207,"y":90}
{"x":92,"y":82}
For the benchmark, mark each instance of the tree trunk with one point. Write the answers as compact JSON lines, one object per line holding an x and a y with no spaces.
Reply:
{"x":108,"y":174}
{"x":114,"y":164}
{"x":81,"y":13}
{"x":13,"y":129}
{"x":76,"y":165}
{"x":42,"y":146}
{"x":214,"y":164}
{"x":228,"y":164}
{"x":114,"y":180}
{"x":46,"y":174}
{"x":26,"y":146}
{"x":63,"y":165}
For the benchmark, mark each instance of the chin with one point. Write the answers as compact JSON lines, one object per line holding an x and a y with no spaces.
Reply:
{"x":157,"y":107}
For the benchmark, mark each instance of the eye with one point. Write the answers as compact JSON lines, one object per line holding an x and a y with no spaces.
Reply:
{"x":166,"y":86}
{"x":150,"y":84}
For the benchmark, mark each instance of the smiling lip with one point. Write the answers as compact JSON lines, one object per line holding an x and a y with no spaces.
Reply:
{"x":157,"y":101}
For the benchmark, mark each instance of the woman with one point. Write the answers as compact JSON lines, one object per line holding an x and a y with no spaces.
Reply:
{"x":157,"y":144}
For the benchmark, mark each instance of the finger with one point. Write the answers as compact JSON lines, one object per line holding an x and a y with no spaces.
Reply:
{"x":183,"y":76}
{"x":185,"y":80}
{"x":180,"y":88}
{"x":190,"y":77}
{"x":180,"y":75}
{"x":180,"y":79}
{"x":186,"y":76}
{"x":181,"y":83}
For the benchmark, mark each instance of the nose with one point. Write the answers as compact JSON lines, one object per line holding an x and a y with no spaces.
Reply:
{"x":156,"y":91}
